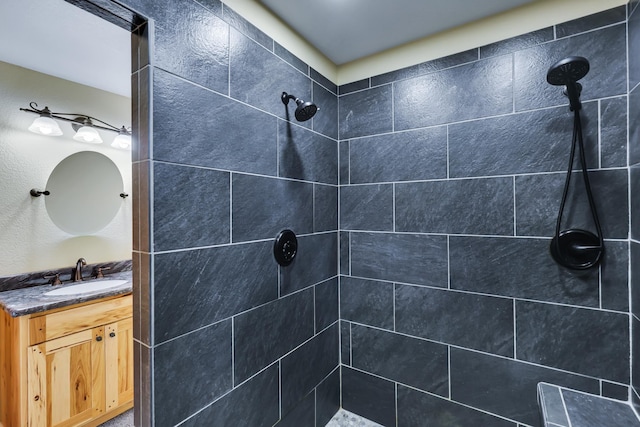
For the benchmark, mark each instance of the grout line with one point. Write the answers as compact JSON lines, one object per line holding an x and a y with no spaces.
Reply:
{"x":394,"y":206}
{"x":449,"y":369}
{"x":448,"y":261}
{"x":230,"y":208}
{"x":472,"y":350}
{"x":564,"y":405}
{"x":515,"y":329}
{"x":448,"y":159}
{"x":233,"y":354}
{"x":515,"y":212}
{"x":599,"y":135}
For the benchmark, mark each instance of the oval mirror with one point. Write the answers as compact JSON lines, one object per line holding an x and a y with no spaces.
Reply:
{"x":84,"y":193}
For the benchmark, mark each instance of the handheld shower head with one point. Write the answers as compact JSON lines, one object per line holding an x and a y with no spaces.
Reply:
{"x":304,"y":110}
{"x":567,"y":72}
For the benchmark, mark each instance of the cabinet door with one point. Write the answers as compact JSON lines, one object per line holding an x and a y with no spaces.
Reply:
{"x":119,"y":363}
{"x":60,"y":379}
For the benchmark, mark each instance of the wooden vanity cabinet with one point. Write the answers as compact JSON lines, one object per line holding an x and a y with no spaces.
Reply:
{"x":71,"y":367}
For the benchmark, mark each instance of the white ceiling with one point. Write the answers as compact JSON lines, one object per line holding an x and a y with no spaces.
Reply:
{"x":346,"y":30}
{"x":59,"y":39}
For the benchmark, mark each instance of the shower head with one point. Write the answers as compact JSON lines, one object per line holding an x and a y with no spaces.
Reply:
{"x":568,"y":70}
{"x":304,"y":110}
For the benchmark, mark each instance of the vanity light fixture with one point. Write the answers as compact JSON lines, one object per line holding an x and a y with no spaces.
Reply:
{"x":86,"y":129}
{"x":45,"y":125}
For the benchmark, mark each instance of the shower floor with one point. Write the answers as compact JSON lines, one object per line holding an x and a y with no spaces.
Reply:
{"x":342,"y":418}
{"x":347,"y":419}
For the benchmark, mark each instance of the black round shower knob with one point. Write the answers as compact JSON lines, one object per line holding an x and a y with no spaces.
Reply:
{"x":285,"y":247}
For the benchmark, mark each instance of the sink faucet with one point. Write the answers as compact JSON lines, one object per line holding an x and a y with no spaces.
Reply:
{"x":77,"y":272}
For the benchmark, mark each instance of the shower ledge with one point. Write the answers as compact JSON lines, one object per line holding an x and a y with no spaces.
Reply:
{"x":563,"y":407}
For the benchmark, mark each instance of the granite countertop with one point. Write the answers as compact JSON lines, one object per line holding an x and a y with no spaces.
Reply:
{"x":563,"y":407}
{"x":32,"y":300}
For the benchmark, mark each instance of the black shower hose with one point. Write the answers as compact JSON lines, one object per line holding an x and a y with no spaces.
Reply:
{"x":578,"y":140}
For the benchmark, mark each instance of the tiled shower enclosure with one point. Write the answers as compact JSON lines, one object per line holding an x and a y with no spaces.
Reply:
{"x":424,"y":201}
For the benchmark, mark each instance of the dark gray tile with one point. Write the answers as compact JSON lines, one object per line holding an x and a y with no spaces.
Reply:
{"x":634,"y":175}
{"x":353,"y":86}
{"x":216,"y":137}
{"x":296,"y":62}
{"x":306,"y":155}
{"x":245,"y":27}
{"x":634,"y":45}
{"x":369,"y":397}
{"x":634,"y":259}
{"x":550,"y":400}
{"x":407,"y":258}
{"x":258,"y":77}
{"x":189,"y":373}
{"x":584,"y":341}
{"x":416,"y":409}
{"x":368,"y":112}
{"x":473,"y":321}
{"x":255,"y":403}
{"x":263,"y":335}
{"x":615,"y":391}
{"x":315,"y":262}
{"x":538,"y":199}
{"x":196,"y":288}
{"x":634,"y":126}
{"x":590,"y":22}
{"x":411,"y":361}
{"x":426,"y":67}
{"x":328,"y":398}
{"x":204,"y":197}
{"x":307,"y":366}
{"x":603,"y":48}
{"x":478,"y":89}
{"x":325,"y":208}
{"x":344,"y":253}
{"x":520,"y":268}
{"x":507,"y":145}
{"x":635,"y":356}
{"x":325,"y":82}
{"x":613,"y":132}
{"x":262,"y":207}
{"x":614,"y":286}
{"x":302,"y":415}
{"x":366,"y":301}
{"x":517,"y":43}
{"x":402,"y":156}
{"x":478,"y":206}
{"x":366,"y":207}
{"x":344,"y":162}
{"x":193,"y":43}
{"x":326,"y":303}
{"x":214,"y":6}
{"x":345,"y":343}
{"x":326,"y":119}
{"x":504,"y":386}
{"x":589,"y":410}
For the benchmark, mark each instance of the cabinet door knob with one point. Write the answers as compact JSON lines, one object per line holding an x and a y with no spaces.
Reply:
{"x":98,"y":338}
{"x":112,"y":334}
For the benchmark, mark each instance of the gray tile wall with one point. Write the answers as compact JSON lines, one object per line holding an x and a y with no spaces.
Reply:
{"x":451,"y":174}
{"x":224,"y":336}
{"x":449,"y":307}
{"x":634,"y":179}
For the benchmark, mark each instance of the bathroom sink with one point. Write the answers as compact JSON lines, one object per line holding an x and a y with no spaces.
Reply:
{"x":86,"y":287}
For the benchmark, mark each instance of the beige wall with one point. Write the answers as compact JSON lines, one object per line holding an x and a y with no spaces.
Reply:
{"x":29,"y":241}
{"x":531,"y":17}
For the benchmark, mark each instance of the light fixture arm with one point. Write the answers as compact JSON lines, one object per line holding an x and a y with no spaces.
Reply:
{"x":77,"y":118}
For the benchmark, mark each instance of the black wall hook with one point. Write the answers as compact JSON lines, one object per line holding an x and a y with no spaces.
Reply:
{"x":37,"y":193}
{"x":285,"y":247}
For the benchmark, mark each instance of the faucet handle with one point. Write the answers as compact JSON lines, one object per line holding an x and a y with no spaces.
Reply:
{"x":54,"y":279}
{"x":97,"y":272}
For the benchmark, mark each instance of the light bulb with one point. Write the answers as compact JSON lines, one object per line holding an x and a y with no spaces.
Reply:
{"x":45,"y":126}
{"x":87,"y":134}
{"x":122,"y":141}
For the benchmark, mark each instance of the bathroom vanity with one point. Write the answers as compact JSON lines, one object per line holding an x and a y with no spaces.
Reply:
{"x":65,"y":360}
